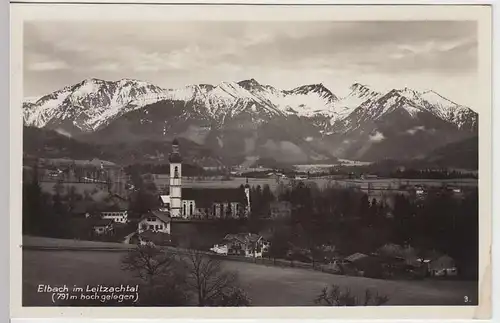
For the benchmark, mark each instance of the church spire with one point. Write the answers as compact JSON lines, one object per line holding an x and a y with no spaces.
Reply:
{"x":175,"y":156}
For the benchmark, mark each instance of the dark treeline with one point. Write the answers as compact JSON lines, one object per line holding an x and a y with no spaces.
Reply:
{"x":348,"y":220}
{"x":47,"y":214}
{"x":411,"y":173}
{"x":187,"y":169}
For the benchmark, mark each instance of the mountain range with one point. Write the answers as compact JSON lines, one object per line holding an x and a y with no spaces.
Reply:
{"x":244,"y":121}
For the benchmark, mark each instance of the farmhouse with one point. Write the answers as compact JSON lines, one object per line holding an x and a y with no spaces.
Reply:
{"x":154,"y":221}
{"x":101,"y":227}
{"x":442,"y":266}
{"x":115,"y":208}
{"x":118,"y":216}
{"x":244,"y":244}
{"x":201,"y":203}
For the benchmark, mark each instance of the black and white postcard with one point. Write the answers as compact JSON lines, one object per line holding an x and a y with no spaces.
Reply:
{"x":207,"y":161}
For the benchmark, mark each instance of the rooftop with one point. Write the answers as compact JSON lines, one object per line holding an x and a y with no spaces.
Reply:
{"x":243,"y":237}
{"x":162,"y":216}
{"x":204,"y":197}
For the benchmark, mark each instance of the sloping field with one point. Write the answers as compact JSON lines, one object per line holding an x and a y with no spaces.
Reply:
{"x":266,"y":285}
{"x":30,"y":241}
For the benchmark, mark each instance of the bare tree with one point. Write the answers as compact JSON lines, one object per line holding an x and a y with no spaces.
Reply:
{"x":150,"y":264}
{"x":206,"y":277}
{"x":333,"y":296}
{"x":163,"y":274}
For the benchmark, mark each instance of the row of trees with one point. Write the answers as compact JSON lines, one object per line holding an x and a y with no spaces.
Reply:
{"x":347,"y":219}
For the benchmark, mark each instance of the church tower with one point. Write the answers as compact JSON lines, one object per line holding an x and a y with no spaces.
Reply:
{"x":247,"y":194}
{"x":175,"y":180}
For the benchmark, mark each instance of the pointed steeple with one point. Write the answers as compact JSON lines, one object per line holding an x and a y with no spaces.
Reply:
{"x":175,"y":156}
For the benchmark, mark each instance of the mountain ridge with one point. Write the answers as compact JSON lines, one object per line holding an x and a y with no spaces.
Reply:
{"x":255,"y":120}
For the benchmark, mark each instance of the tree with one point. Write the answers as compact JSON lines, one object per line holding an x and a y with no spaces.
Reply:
{"x":280,"y":242}
{"x":34,"y":206}
{"x":208,"y":280}
{"x":149,"y":263}
{"x":333,"y":296}
{"x":72,"y":198}
{"x":162,"y":273}
{"x":232,"y":297}
{"x":267,"y":198}
{"x":364,"y":208}
{"x":142,"y":202}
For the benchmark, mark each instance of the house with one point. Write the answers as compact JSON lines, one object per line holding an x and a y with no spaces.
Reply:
{"x":101,"y":227}
{"x":244,"y":244}
{"x":129,"y":237}
{"x":116,"y":216}
{"x":118,"y":212}
{"x":364,"y":265}
{"x":164,"y":203}
{"x":154,"y":237}
{"x":155,"y":221}
{"x":442,"y":266}
{"x":281,"y":209}
{"x":419,"y":191}
{"x":355,"y":257}
{"x":115,"y":208}
{"x":405,"y":254}
{"x":221,"y":249}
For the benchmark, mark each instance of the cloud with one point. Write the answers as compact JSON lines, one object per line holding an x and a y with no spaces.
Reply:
{"x":48,"y":66}
{"x":283,"y":54}
{"x":377,"y":137}
{"x":414,"y":130}
{"x":63,"y":132}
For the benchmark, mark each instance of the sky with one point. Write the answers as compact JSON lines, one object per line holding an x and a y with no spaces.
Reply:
{"x":437,"y":55}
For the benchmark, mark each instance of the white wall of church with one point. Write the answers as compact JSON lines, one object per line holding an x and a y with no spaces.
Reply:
{"x":188,"y":208}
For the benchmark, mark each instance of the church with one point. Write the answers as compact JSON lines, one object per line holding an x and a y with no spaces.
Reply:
{"x":202,"y":203}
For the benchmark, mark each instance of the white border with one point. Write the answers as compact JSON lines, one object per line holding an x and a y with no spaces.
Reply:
{"x":127,"y":12}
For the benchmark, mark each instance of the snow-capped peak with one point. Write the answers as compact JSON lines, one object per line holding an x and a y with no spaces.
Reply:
{"x":319,"y":89}
{"x":359,"y":94}
{"x":91,"y":103}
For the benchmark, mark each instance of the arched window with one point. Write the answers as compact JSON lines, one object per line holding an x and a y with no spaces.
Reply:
{"x":214,"y":210}
{"x":176,"y":172}
{"x":184,"y":209}
{"x":191,"y":208}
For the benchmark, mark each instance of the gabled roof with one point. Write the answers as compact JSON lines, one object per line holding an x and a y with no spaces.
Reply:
{"x":356,"y":256}
{"x":244,"y":237}
{"x":204,"y":197}
{"x":102,"y":223}
{"x":162,"y":216}
{"x":165,"y":198}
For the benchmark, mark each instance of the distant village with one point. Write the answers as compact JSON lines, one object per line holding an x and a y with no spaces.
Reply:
{"x":103,"y":205}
